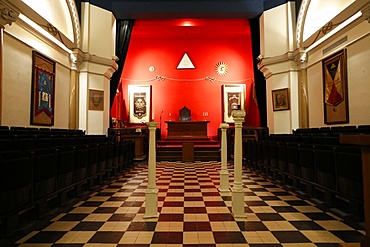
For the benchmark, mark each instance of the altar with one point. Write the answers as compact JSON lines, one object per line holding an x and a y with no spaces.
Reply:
{"x":187,"y":129}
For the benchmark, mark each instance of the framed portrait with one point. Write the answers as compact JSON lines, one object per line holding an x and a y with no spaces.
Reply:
{"x":280,"y":99}
{"x":43,"y":86}
{"x":140,"y":103}
{"x":335,"y":88}
{"x":96,"y":100}
{"x":233,"y":98}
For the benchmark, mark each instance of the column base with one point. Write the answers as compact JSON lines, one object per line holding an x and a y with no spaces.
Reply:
{"x":238,"y":204}
{"x":151,"y":204}
{"x":224,"y":182}
{"x":223,"y":190}
{"x":151,"y":215}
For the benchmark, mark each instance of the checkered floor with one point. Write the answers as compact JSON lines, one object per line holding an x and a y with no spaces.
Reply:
{"x":192,"y":213}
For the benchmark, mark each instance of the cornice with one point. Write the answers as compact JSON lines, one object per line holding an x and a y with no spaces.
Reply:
{"x":266,"y":73}
{"x":92,"y":58}
{"x":113,"y":68}
{"x":268,"y":62}
{"x":39,"y":36}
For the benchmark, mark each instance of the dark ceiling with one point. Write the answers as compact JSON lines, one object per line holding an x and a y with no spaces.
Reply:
{"x":170,"y":9}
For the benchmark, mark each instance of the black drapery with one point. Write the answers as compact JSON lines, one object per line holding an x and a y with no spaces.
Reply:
{"x":123,"y":35}
{"x":259,"y":78}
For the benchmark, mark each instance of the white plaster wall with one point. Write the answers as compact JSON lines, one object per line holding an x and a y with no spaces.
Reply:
{"x":278,"y":121}
{"x":100,"y":34}
{"x":277,"y":44}
{"x":98,"y":40}
{"x":82,"y":101}
{"x":359,"y":81}
{"x":294,"y":100}
{"x":17,"y":86}
{"x":358,"y":59}
{"x":17,"y":83}
{"x":315,"y":96}
{"x":275,"y":33}
{"x":61,"y":102}
{"x":95,"y":118}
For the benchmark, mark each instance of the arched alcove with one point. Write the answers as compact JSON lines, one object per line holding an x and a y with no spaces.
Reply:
{"x":316,"y":19}
{"x":57,"y":17}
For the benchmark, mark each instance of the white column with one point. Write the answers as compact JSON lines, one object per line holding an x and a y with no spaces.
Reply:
{"x":76,"y":58}
{"x":151,"y":193}
{"x":237,"y":190}
{"x":224,"y":173}
{"x":9,"y":14}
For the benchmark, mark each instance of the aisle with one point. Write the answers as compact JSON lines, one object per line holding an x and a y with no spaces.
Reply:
{"x":192,"y":213}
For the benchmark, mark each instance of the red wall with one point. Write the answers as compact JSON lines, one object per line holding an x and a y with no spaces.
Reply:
{"x":162,"y":44}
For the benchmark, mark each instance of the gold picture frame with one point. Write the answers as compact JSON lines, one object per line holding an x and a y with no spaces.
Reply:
{"x":43,"y":90}
{"x":335,"y":88}
{"x":280,"y":99}
{"x":233,"y":98}
{"x":140,"y":103}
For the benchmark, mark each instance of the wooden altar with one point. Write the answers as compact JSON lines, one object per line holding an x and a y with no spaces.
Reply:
{"x":187,"y":129}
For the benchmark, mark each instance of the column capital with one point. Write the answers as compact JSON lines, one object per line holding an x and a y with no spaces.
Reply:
{"x":152,"y":125}
{"x":238,"y":115}
{"x":8,"y":14}
{"x":300,"y":57}
{"x":76,"y":58}
{"x":224,"y":126}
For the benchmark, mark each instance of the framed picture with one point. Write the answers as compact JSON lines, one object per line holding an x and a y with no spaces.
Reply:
{"x":43,"y":86}
{"x":335,"y":88}
{"x":140,"y":103}
{"x":233,"y":98}
{"x":280,"y":99}
{"x":96,"y":100}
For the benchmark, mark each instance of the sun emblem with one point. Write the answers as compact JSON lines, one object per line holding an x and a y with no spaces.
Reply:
{"x":221,"y":68}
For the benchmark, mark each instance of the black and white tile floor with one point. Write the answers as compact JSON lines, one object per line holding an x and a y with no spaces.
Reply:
{"x":192,"y":213}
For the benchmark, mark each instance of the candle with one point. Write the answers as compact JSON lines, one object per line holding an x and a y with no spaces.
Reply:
{"x":153,"y":113}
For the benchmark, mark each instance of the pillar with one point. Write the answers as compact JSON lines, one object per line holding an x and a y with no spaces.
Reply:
{"x":75,"y":59}
{"x":300,"y":58}
{"x":151,"y":193}
{"x":8,"y":15}
{"x":224,"y":173}
{"x":303,"y":99}
{"x":237,"y":190}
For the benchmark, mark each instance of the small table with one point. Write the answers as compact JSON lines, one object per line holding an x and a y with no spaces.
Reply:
{"x":364,"y":142}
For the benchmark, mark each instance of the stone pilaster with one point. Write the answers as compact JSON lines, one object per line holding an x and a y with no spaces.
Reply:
{"x":8,"y":15}
{"x":300,"y":57}
{"x":76,"y":58}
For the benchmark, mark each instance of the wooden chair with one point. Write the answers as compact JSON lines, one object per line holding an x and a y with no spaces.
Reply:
{"x":184,"y":114}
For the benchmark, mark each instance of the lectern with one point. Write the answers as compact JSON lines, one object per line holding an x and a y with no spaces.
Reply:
{"x":364,"y":142}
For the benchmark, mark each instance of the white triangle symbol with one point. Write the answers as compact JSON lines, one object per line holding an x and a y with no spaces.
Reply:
{"x":185,"y":63}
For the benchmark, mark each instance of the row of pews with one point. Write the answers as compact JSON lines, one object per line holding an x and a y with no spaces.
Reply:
{"x":41,"y":169}
{"x":314,"y":162}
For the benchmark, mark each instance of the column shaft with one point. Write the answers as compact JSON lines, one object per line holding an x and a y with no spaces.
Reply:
{"x":224,"y":173}
{"x":73,"y":100}
{"x":237,"y":191}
